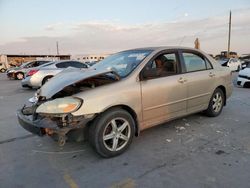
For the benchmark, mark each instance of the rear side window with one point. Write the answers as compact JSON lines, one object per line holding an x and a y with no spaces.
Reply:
{"x":195,"y":62}
{"x":42,"y":62}
{"x":61,"y":65}
{"x":77,"y":64}
{"x":32,"y":64}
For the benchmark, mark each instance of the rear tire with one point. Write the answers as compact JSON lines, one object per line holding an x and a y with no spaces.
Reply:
{"x":112,"y":132}
{"x":216,"y":103}
{"x":19,"y":76}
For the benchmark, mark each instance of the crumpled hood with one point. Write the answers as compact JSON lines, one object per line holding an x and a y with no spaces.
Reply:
{"x":66,"y":78}
{"x":245,"y":72}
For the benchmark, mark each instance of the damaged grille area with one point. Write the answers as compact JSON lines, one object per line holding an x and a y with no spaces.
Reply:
{"x":52,"y":121}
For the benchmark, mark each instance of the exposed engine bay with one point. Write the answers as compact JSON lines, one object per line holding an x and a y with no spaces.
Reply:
{"x":86,"y":84}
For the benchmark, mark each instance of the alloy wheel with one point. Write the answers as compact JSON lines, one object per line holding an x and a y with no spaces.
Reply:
{"x":217,"y":102}
{"x":19,"y":76}
{"x":116,"y":134}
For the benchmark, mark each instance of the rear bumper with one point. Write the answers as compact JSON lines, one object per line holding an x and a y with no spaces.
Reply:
{"x":229,"y":90}
{"x":26,"y":82}
{"x":31,"y":81}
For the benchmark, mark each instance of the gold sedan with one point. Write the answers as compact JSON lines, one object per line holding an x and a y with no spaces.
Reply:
{"x":126,"y":93}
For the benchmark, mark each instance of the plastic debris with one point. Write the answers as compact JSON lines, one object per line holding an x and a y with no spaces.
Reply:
{"x":180,"y":128}
{"x":168,"y":140}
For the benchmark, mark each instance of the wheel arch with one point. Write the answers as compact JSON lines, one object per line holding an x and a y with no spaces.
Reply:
{"x":46,"y":77}
{"x":18,"y":73}
{"x":131,"y":112}
{"x":223,"y":88}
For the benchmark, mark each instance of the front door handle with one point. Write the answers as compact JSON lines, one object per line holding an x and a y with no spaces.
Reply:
{"x":211,"y":74}
{"x":182,"y":80}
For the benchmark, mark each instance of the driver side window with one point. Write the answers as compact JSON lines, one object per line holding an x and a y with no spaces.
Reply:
{"x":161,"y":66}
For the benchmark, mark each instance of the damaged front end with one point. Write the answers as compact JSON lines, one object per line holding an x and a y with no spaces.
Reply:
{"x":51,"y":112}
{"x":58,"y":126}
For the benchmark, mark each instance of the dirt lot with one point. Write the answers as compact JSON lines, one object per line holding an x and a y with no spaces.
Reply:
{"x":195,"y":151}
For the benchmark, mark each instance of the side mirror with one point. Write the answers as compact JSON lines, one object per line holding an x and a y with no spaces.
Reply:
{"x":148,"y":74}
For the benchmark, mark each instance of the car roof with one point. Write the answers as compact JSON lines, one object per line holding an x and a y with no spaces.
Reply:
{"x":159,"y":48}
{"x":61,"y":61}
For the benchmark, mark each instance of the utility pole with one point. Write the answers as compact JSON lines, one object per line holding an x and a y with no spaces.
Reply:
{"x":57,"y":48}
{"x":229,"y":35}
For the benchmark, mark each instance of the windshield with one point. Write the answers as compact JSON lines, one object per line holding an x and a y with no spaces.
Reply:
{"x":47,"y":64}
{"x":24,"y":65}
{"x":123,"y":63}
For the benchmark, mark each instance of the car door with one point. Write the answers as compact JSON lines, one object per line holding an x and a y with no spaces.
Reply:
{"x":163,"y":90}
{"x":200,"y":77}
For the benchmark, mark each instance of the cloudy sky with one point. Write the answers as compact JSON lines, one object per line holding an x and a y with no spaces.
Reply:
{"x":91,"y":26}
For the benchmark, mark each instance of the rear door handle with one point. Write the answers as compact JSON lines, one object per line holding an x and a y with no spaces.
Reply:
{"x":182,"y":80}
{"x":211,"y":74}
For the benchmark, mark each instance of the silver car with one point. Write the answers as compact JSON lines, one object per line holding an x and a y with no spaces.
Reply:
{"x":19,"y":72}
{"x":35,"y":78}
{"x":126,"y":93}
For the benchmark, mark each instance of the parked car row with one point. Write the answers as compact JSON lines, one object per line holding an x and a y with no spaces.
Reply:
{"x":117,"y":98}
{"x":38,"y":76}
{"x":244,"y":77}
{"x":243,"y":67}
{"x":233,"y":63}
{"x":19,"y":72}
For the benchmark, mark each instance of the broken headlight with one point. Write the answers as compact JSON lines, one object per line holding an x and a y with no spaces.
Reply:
{"x":60,"y":106}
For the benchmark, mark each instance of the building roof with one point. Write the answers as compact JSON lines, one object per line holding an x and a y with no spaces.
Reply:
{"x":41,"y":55}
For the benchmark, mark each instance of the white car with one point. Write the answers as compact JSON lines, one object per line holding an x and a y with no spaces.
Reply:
{"x":233,"y":63}
{"x":36,"y":77}
{"x":244,"y":77}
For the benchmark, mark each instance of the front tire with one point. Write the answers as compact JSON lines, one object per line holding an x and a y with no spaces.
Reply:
{"x":216,"y":103}
{"x":112,"y":132}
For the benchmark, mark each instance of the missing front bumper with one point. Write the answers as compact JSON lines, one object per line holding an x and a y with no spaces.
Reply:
{"x":28,"y":124}
{"x":45,"y":126}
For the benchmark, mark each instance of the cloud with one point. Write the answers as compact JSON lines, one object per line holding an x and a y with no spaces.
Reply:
{"x":111,"y":36}
{"x":53,"y":27}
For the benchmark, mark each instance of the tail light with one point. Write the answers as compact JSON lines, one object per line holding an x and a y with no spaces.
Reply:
{"x":31,"y":72}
